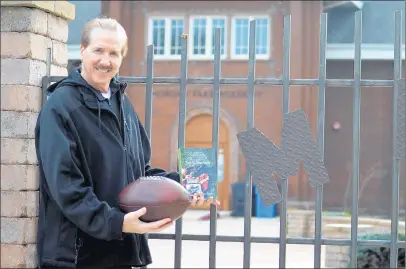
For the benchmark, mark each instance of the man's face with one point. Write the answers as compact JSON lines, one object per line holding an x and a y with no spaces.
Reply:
{"x":102,"y":58}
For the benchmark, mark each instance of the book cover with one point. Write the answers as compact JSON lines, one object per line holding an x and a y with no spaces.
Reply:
{"x":198,"y":169}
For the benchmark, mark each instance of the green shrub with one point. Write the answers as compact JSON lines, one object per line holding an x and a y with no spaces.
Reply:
{"x":378,"y":257}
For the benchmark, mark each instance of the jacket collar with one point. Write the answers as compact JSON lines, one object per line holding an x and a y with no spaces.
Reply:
{"x":93,"y":97}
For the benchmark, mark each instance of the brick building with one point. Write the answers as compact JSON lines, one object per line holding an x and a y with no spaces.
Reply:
{"x":162,"y":22}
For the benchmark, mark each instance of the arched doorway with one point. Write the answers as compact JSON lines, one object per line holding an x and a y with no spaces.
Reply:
{"x":199,"y":135}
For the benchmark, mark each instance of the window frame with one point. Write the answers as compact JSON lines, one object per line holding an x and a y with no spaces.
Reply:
{"x":168,"y":33}
{"x":234,"y":56}
{"x":209,"y":34}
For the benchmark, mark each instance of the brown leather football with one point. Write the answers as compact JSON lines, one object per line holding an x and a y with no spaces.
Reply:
{"x":161,"y":196}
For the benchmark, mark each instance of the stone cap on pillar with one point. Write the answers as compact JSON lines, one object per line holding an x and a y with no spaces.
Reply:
{"x":62,"y":9}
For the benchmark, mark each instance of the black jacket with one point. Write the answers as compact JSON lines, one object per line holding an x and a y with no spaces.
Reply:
{"x":87,"y":155}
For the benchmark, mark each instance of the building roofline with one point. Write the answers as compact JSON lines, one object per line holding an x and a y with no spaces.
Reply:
{"x":333,"y":52}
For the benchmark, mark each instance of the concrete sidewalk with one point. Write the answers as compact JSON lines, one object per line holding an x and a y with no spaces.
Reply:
{"x":195,"y":254}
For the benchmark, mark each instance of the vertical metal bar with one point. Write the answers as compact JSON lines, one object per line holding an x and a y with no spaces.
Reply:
{"x":320,"y":135}
{"x":45,"y":80}
{"x":181,"y":139}
{"x":215,"y":143}
{"x":250,"y":124}
{"x":148,"y":97}
{"x":285,"y":110}
{"x":149,"y":89}
{"x":356,"y":137}
{"x":396,"y":160}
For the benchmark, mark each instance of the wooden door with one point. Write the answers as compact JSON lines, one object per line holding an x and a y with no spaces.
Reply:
{"x":199,"y":135}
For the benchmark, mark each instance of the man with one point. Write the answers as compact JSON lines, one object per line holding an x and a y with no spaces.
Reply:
{"x":90,"y":144}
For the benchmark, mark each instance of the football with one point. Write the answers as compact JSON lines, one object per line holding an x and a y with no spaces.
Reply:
{"x":161,"y":196}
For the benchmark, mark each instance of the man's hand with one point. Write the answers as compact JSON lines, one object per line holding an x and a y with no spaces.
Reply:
{"x":132,"y":224}
{"x":198,"y":200}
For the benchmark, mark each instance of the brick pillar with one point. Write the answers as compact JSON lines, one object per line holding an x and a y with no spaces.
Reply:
{"x":28,"y":28}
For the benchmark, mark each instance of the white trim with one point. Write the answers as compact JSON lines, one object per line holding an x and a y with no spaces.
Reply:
{"x":358,"y":4}
{"x":74,"y":52}
{"x":333,"y":52}
{"x":209,"y":41}
{"x":233,"y":56}
{"x":167,"y":42}
{"x":333,"y":4}
{"x":368,"y":51}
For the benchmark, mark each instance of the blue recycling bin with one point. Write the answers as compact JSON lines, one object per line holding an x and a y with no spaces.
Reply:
{"x":262,"y":211}
{"x":238,"y":200}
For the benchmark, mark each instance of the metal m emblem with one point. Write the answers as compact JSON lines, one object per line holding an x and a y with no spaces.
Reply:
{"x":264,"y":158}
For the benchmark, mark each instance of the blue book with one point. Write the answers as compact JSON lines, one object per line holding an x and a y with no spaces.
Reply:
{"x":198,"y":169}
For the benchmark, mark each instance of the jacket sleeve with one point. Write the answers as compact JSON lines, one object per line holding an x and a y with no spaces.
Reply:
{"x":150,"y":171}
{"x":57,"y":153}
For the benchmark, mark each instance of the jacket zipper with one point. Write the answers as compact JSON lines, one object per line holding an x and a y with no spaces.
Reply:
{"x":121,"y":139}
{"x":78,"y":245}
{"x":122,"y":130}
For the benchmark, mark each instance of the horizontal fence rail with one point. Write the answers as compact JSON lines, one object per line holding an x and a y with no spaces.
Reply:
{"x":286,"y":82}
{"x":276,"y":240}
{"x":244,"y":81}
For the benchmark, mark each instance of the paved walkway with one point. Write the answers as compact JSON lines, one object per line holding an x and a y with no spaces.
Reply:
{"x":195,"y":254}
